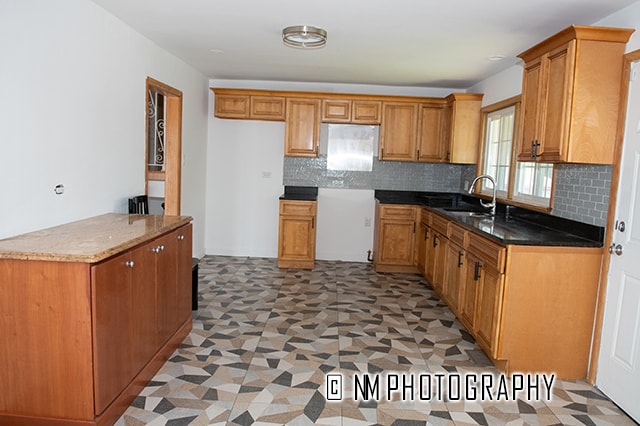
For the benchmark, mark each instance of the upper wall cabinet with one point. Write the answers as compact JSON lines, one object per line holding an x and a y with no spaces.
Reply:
{"x":431,"y":143}
{"x":412,"y":128}
{"x":248,"y":106}
{"x":461,"y":127}
{"x":571,"y":94}
{"x":351,"y":111}
{"x":398,"y":131}
{"x":302,"y":127}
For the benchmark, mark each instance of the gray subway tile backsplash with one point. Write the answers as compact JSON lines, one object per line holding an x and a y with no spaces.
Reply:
{"x":581,"y":191}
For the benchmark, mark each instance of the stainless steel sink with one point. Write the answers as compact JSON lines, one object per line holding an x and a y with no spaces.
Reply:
{"x":466,"y":212}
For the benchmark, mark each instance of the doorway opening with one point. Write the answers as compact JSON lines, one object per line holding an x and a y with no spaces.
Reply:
{"x":163,"y":143}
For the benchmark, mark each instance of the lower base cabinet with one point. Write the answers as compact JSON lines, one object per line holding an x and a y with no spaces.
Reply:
{"x":530,"y":308}
{"x":394,"y":237}
{"x":297,"y":234}
{"x":85,"y":338}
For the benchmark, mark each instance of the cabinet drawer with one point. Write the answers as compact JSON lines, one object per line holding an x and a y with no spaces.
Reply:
{"x":457,"y":234}
{"x":491,"y":254}
{"x":440,"y":224}
{"x":297,"y":208}
{"x":397,"y":211}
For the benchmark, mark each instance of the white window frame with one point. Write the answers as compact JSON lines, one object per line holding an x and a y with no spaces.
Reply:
{"x":511,"y":196}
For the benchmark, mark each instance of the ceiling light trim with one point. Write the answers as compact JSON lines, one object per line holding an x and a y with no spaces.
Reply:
{"x":304,"y":37}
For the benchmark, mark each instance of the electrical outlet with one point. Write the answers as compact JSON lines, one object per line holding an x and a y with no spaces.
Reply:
{"x":367,"y":222}
{"x":266,"y":174}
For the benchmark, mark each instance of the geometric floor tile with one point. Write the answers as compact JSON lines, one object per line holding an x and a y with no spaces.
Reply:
{"x":292,"y":347}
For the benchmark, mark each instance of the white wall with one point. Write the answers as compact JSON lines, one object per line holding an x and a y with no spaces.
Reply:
{"x":73,"y":111}
{"x":244,"y":182}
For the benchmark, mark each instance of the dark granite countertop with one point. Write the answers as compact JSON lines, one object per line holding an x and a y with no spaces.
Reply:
{"x":522,"y":227}
{"x":300,"y":193}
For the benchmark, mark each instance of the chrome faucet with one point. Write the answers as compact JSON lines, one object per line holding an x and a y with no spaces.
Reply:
{"x":492,"y":204}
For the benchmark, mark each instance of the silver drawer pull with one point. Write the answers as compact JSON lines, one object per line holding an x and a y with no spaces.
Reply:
{"x":129,"y":264}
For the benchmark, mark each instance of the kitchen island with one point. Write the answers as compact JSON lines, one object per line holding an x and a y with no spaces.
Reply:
{"x":89,"y":311}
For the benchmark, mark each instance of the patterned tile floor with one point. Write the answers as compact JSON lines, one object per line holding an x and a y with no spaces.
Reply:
{"x":264,"y":339}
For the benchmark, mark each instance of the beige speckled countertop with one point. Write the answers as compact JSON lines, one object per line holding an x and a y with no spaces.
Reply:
{"x":89,"y":240}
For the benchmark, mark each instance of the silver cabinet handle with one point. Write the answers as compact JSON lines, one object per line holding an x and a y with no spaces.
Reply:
{"x":129,"y":264}
{"x":180,"y":237}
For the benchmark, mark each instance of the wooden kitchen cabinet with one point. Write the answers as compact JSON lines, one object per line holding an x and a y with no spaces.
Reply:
{"x":530,"y":308}
{"x":398,"y":131}
{"x":297,"y":234}
{"x":394,"y":237}
{"x":269,"y":108}
{"x":461,"y":127}
{"x":336,"y":111}
{"x":173,"y":271}
{"x":431,"y":147}
{"x":79,"y":332}
{"x":302,"y":127}
{"x":422,"y":238}
{"x":436,"y":252}
{"x":483,"y":290}
{"x":455,"y":267}
{"x":247,"y":105}
{"x":570,"y":96}
{"x":232,"y":106}
{"x":366,"y":112}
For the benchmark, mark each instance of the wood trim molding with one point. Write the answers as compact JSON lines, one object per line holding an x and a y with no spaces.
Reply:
{"x":330,"y":95}
{"x":172,"y":176}
{"x":629,"y":58}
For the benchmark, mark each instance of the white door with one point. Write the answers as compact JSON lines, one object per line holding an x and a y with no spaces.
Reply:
{"x":618,"y":373}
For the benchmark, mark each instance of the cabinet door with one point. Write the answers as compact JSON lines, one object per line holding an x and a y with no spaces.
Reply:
{"x":267,"y":108}
{"x":398,"y":131}
{"x":232,"y":106}
{"x":488,"y":308}
{"x":454,"y":276}
{"x":469,"y":291}
{"x":166,"y":252}
{"x":465,"y":128}
{"x":396,"y":242}
{"x":297,"y":239}
{"x":437,"y":249}
{"x":421,"y":249}
{"x":447,"y":128}
{"x":297,"y":234}
{"x":111,"y":312}
{"x":555,"y":113}
{"x":532,"y":86}
{"x":184,"y":236}
{"x":302,"y":127}
{"x":336,"y":110}
{"x":143,"y":305}
{"x":366,"y":112}
{"x":430,"y":142}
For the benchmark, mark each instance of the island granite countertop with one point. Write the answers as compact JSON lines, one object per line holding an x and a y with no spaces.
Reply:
{"x":89,"y":240}
{"x":520,"y":227}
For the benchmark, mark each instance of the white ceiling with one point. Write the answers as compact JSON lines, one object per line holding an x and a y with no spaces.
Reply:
{"x":426,"y":43}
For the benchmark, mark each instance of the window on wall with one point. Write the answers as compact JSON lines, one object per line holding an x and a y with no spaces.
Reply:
{"x":528,"y":183}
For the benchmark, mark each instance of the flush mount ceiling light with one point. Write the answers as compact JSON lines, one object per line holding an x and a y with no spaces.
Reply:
{"x":304,"y":36}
